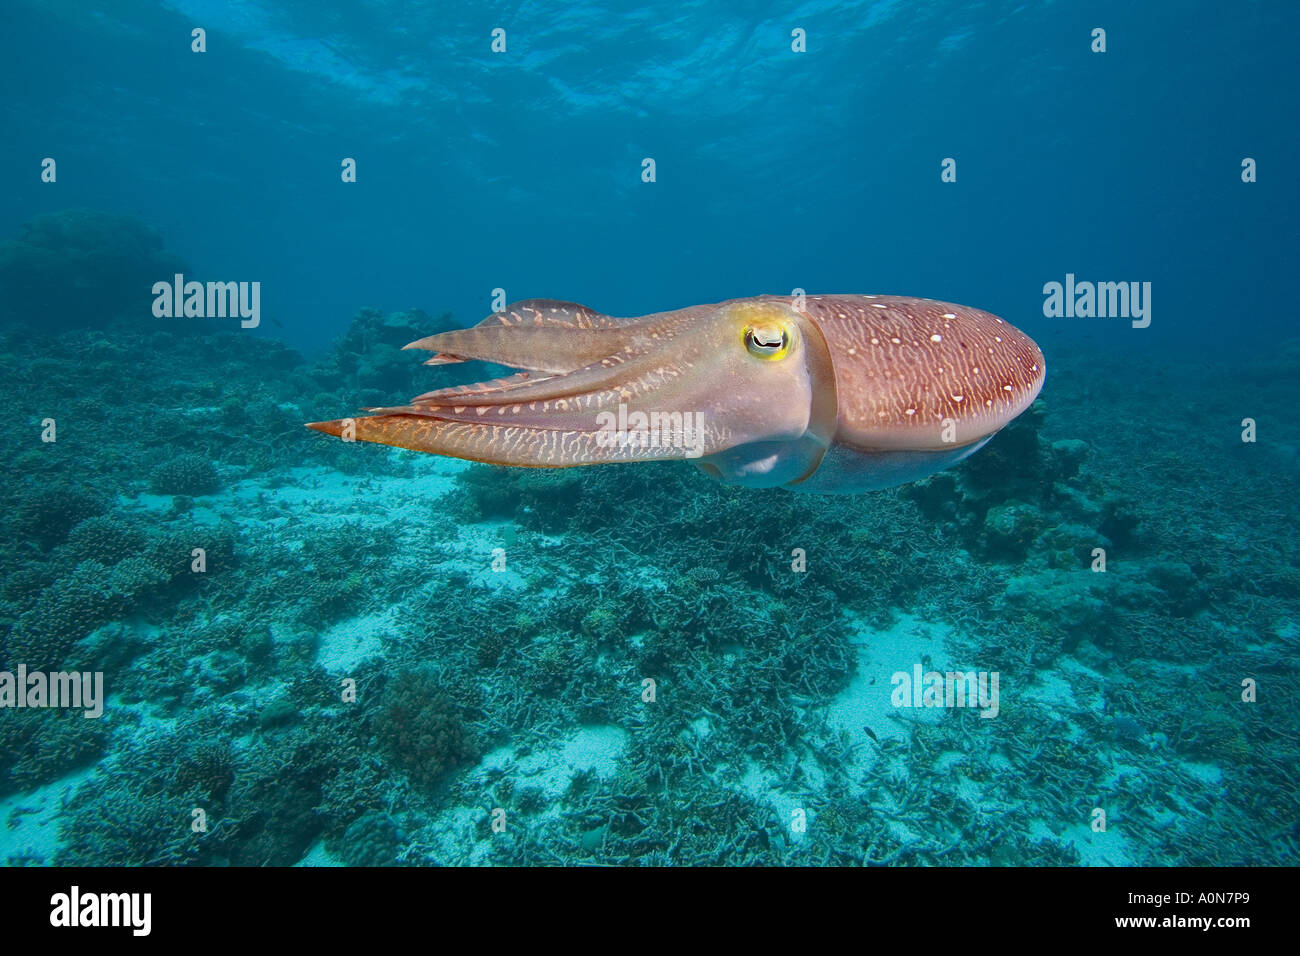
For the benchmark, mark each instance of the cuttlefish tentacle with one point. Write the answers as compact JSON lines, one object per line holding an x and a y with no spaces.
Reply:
{"x":839,"y":394}
{"x":491,"y":443}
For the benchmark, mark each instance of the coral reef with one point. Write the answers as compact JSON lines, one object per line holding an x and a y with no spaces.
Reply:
{"x":369,"y":359}
{"x":379,"y":650}
{"x":81,"y":267}
{"x":371,"y":840}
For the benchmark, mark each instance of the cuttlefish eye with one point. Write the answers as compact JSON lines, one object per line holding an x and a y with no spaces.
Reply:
{"x":768,"y":340}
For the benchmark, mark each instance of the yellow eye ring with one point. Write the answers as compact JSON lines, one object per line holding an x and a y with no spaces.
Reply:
{"x":770,"y":341}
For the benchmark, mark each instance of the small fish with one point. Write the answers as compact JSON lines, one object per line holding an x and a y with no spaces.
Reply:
{"x":828,"y":394}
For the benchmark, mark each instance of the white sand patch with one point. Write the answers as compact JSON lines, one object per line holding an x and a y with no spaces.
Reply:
{"x":1050,"y":689}
{"x":293,"y":505}
{"x":1000,"y":762}
{"x":29,"y":829}
{"x":453,"y":836}
{"x":304,"y":496}
{"x":489,"y":556}
{"x":149,"y":723}
{"x":317,"y":855}
{"x":947,"y":760}
{"x":1111,"y":848}
{"x":1206,"y":773}
{"x":970,"y":791}
{"x":348,"y":644}
{"x":1087,"y":686}
{"x":153,"y":504}
{"x":595,"y":748}
{"x":792,"y":813}
{"x":867,"y":701}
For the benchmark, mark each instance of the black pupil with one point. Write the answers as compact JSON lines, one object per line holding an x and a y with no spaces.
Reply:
{"x":763,"y":342}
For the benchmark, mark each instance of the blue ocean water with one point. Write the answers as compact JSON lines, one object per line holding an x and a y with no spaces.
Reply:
{"x":451,"y":659}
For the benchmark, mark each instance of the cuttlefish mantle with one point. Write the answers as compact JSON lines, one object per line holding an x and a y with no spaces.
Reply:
{"x":830,"y":393}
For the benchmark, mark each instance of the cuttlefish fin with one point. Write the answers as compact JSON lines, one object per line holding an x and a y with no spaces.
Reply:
{"x":553,"y":312}
{"x":536,"y":313}
{"x":537,"y":348}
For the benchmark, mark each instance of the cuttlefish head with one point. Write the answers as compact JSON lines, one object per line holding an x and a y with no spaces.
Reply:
{"x":691,"y":384}
{"x":835,"y":394}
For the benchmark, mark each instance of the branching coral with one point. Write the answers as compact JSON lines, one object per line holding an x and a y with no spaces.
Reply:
{"x":105,"y":539}
{"x":46,"y":513}
{"x":66,"y":611}
{"x":420,"y":730}
{"x":38,"y":746}
{"x":185,"y":475}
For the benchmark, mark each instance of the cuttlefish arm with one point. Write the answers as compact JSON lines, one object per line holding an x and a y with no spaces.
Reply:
{"x":841,"y":394}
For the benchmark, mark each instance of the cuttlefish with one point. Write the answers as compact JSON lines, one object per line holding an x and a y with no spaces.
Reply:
{"x":824,"y":393}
